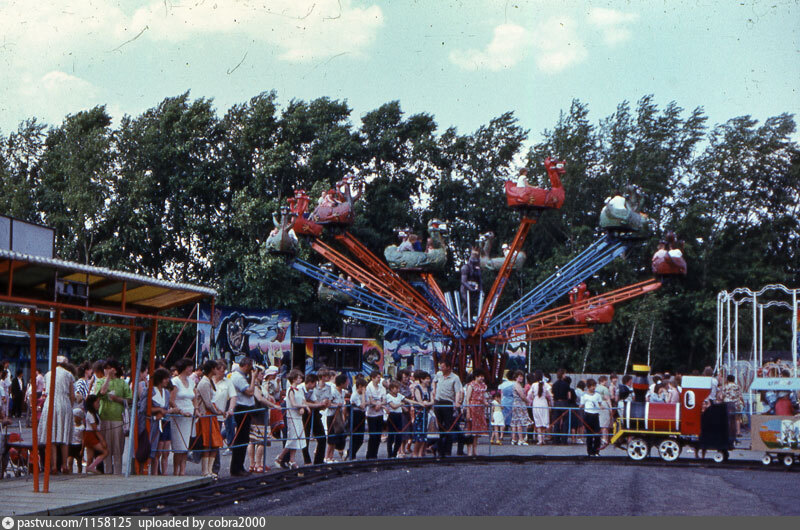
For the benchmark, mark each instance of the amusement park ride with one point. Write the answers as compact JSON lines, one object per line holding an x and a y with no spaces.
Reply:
{"x":402,"y":293}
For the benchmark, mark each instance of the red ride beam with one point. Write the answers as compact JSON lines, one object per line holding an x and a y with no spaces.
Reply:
{"x":487,"y":311}
{"x":556,"y":316}
{"x":375,"y":284}
{"x":545,"y":333}
{"x":434,"y":287}
{"x":386,"y":274}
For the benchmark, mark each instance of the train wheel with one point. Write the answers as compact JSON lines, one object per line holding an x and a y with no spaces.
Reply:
{"x":766,"y":460}
{"x":669,"y":450}
{"x":721,"y":456}
{"x":638,"y":449}
{"x":788,"y":460}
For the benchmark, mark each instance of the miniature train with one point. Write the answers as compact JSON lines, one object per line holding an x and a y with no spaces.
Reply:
{"x":693,"y":422}
{"x":670,"y":427}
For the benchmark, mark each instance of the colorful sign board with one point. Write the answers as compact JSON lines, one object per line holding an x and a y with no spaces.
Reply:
{"x":263,"y":335}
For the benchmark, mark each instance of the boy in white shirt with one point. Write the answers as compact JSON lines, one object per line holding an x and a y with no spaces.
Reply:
{"x":592,"y":403}
{"x":394,"y":402}
{"x":375,"y":397}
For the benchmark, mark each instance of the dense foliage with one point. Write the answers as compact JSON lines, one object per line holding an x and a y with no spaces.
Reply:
{"x":182,"y":193}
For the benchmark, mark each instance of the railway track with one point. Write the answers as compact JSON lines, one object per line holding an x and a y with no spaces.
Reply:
{"x":234,"y":490}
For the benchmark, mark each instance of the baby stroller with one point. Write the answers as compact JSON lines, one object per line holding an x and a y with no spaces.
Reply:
{"x":13,"y":460}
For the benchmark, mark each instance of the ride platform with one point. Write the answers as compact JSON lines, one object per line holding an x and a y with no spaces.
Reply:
{"x":77,"y":493}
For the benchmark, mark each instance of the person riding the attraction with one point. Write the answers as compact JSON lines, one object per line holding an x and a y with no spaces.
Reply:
{"x":282,"y":238}
{"x":782,"y":402}
{"x":490,"y":264}
{"x":405,"y":257}
{"x":524,"y":195}
{"x":416,"y":242}
{"x":668,"y":259}
{"x":621,"y":212}
{"x":302,"y":224}
{"x":522,"y":179}
{"x":408,"y":244}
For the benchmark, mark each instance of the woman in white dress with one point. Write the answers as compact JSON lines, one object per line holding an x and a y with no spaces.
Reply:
{"x":182,"y":424}
{"x":63,"y":422}
{"x":541,"y":400}
{"x":295,"y":404}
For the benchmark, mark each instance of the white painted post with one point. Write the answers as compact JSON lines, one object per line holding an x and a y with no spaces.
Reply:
{"x":794,"y":330}
{"x":736,"y":331}
{"x":755,"y":329}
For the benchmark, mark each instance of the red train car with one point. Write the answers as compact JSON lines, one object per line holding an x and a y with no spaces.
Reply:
{"x":670,"y":427}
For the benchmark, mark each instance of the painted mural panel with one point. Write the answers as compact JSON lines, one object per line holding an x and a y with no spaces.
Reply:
{"x":517,"y":356}
{"x":263,"y":335}
{"x":775,"y":433}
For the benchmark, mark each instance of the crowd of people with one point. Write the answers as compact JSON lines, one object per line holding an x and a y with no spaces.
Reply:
{"x":199,"y":413}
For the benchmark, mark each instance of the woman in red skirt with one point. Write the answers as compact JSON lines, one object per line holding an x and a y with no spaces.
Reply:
{"x":208,"y":426}
{"x":475,"y":400}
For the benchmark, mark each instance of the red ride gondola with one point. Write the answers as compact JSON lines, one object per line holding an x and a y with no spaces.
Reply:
{"x":668,"y":259}
{"x":522,"y":195}
{"x":599,"y":313}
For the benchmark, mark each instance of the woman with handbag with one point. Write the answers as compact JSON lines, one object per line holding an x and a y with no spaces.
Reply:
{"x":159,"y":426}
{"x":423,"y":401}
{"x":183,"y":399}
{"x":335,"y":417}
{"x":207,"y":424}
{"x":295,"y":405}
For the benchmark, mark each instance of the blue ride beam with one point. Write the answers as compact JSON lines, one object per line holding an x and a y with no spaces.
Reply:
{"x":359,"y":294}
{"x":390,"y":322}
{"x":450,"y":318}
{"x":593,"y":258}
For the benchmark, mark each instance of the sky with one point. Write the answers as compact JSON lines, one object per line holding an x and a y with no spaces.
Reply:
{"x":465,"y":62}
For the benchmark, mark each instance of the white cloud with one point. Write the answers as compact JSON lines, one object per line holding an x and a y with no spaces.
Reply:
{"x":303,"y":30}
{"x":612,"y":23}
{"x":554,"y":43}
{"x":56,"y":94}
{"x":40,"y":41}
{"x":55,"y":81}
{"x":559,"y":45}
{"x":507,"y":48}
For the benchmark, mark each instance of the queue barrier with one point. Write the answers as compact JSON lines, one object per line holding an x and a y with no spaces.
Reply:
{"x":564,"y":423}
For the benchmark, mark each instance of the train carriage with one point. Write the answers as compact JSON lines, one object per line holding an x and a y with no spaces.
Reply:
{"x":777,"y":433}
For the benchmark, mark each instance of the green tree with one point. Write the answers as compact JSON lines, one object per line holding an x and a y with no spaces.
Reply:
{"x":167,"y":191}
{"x":20,"y":155}
{"x":75,"y":181}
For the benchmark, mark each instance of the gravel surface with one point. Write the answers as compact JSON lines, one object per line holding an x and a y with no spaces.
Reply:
{"x":537,"y":489}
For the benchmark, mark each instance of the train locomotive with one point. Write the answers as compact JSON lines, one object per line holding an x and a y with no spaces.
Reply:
{"x":670,"y":427}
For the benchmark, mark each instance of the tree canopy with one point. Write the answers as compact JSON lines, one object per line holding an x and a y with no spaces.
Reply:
{"x":183,"y":193}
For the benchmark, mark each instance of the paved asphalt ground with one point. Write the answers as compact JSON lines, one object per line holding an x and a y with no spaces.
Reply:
{"x":537,"y":489}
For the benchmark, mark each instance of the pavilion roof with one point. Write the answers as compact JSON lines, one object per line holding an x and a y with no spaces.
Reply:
{"x":31,"y":280}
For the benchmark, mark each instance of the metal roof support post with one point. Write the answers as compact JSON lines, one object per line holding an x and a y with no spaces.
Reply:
{"x":55,"y":328}
{"x":131,"y":447}
{"x":33,"y":404}
{"x":133,"y":434}
{"x":150,"y":370}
